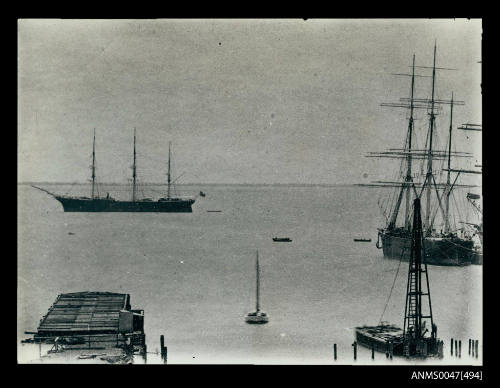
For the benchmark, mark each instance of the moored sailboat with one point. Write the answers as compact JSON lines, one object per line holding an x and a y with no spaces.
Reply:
{"x":258,"y":316}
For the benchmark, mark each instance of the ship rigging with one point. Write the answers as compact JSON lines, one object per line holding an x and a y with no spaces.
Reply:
{"x":448,"y":246}
{"x":96,"y":203}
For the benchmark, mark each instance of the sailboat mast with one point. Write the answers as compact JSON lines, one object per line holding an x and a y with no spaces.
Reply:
{"x":410,"y":133}
{"x":133,"y":174}
{"x":93,"y":168}
{"x":429,"y":160}
{"x":257,"y":307}
{"x":168,"y":174}
{"x":448,"y":191}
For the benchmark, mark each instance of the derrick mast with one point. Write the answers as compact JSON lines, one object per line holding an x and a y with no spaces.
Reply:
{"x":414,"y":330}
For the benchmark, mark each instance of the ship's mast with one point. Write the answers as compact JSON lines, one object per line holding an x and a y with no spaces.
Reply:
{"x":134,"y":175}
{"x":448,"y":187}
{"x":93,"y":168}
{"x":408,"y":178}
{"x":257,"y":307}
{"x":410,"y":133}
{"x":429,"y":175}
{"x":168,"y":173}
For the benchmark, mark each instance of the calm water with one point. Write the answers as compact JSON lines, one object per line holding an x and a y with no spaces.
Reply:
{"x":194,"y":274}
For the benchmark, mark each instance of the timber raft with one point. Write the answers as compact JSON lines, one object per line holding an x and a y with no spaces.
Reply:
{"x":95,"y":326}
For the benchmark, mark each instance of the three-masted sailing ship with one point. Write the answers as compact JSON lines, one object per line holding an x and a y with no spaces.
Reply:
{"x":416,"y":339}
{"x":96,"y":203}
{"x":451,"y":245}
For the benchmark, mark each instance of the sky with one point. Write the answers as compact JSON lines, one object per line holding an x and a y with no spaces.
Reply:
{"x":241,"y":101}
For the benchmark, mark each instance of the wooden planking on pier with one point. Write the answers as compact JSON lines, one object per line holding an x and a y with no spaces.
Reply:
{"x":85,"y":311}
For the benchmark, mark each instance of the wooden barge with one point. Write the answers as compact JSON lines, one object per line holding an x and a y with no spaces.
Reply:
{"x":385,"y":338}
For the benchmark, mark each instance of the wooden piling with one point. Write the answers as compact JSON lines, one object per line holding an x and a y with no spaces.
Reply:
{"x":355,"y":349}
{"x":473,"y":346}
{"x":391,"y":349}
{"x":456,"y":348}
{"x":469,"y":346}
{"x":451,"y":341}
{"x":335,"y":351}
{"x":477,"y":348}
{"x":373,"y":352}
{"x":459,"y":348}
{"x":162,"y":348}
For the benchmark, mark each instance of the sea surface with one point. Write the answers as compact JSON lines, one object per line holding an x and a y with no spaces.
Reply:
{"x":194,"y":274}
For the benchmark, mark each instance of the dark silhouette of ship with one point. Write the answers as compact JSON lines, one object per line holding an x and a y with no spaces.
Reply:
{"x":95,"y":203}
{"x":282,"y":239}
{"x":451,"y":245}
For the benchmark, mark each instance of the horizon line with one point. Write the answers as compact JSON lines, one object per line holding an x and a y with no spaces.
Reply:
{"x":192,"y":183}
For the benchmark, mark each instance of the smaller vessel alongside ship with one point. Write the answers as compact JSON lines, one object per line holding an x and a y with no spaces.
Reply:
{"x":477,"y":227}
{"x":258,"y":316}
{"x":282,"y":239}
{"x":362,"y":240}
{"x":414,"y":340}
{"x":108,"y":204}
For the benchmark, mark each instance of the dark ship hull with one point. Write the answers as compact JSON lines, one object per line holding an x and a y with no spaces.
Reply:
{"x":282,"y":239}
{"x":172,"y":205}
{"x":451,"y":251}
